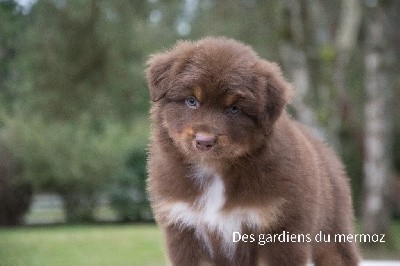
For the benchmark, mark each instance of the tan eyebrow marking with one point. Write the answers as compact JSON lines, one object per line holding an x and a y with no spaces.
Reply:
{"x":230,"y":99}
{"x":198,"y":93}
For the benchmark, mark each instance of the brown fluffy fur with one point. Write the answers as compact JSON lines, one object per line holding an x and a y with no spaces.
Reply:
{"x":270,"y":167}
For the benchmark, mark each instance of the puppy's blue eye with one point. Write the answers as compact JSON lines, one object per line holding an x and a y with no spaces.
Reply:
{"x":234,"y":109}
{"x":192,"y":102}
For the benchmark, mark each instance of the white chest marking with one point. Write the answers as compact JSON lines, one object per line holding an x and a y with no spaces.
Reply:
{"x":205,"y":215}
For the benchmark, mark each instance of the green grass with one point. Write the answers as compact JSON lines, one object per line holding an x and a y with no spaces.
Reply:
{"x":109,"y":245}
{"x":82,"y":245}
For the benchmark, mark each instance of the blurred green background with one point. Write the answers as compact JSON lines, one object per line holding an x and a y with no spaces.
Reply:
{"x":74,"y":109}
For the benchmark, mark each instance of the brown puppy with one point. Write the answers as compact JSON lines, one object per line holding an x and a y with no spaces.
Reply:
{"x":226,"y":160}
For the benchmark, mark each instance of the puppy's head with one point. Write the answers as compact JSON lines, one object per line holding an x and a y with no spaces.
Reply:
{"x":215,"y":98}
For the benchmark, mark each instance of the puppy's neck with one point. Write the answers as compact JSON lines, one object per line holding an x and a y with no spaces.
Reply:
{"x":203,"y":174}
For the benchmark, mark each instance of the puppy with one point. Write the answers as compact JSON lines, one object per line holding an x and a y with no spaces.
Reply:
{"x":226,"y":160}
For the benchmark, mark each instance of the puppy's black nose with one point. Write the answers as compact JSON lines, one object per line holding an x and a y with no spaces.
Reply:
{"x":204,"y":142}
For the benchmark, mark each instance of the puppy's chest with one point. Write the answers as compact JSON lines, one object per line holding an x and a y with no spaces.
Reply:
{"x":208,"y":209}
{"x":208,"y":216}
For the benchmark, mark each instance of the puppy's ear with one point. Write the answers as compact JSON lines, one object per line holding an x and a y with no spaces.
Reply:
{"x":162,"y":68}
{"x":277,"y":90}
{"x":158,"y":72}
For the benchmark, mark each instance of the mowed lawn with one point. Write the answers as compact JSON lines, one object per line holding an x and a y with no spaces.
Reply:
{"x":82,"y":245}
{"x":107,"y":245}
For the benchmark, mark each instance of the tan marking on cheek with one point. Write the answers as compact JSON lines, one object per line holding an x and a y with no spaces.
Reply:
{"x":187,"y":132}
{"x":198,"y":93}
{"x":223,"y":140}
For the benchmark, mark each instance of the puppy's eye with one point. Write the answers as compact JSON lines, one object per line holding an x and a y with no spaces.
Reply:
{"x":234,"y":109}
{"x":192,"y":102}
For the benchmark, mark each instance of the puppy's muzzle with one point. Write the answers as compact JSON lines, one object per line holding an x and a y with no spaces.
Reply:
{"x":204,"y":142}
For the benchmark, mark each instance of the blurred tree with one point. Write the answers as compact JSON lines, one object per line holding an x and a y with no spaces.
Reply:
{"x":15,"y":192}
{"x":12,"y":23}
{"x":128,"y":190}
{"x":294,"y":48}
{"x":80,"y":58}
{"x":346,"y":40}
{"x":70,"y":158}
{"x":80,"y":95}
{"x":377,"y":162}
{"x":349,"y":122}
{"x":392,"y":28}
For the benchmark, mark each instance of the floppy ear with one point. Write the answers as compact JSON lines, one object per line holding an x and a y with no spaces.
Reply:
{"x":158,"y":73}
{"x":162,"y":67}
{"x":277,"y":90}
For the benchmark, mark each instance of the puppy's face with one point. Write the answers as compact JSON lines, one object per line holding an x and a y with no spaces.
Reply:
{"x":212,"y":121}
{"x":215,"y":98}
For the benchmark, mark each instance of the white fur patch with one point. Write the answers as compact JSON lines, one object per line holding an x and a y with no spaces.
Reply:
{"x":206,"y":215}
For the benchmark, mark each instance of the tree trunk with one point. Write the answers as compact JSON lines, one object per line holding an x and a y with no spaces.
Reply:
{"x":79,"y":206}
{"x":376,"y":216}
{"x":345,"y":42}
{"x":294,"y":61}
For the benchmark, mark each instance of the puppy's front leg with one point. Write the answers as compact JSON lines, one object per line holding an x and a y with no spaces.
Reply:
{"x":184,"y":248}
